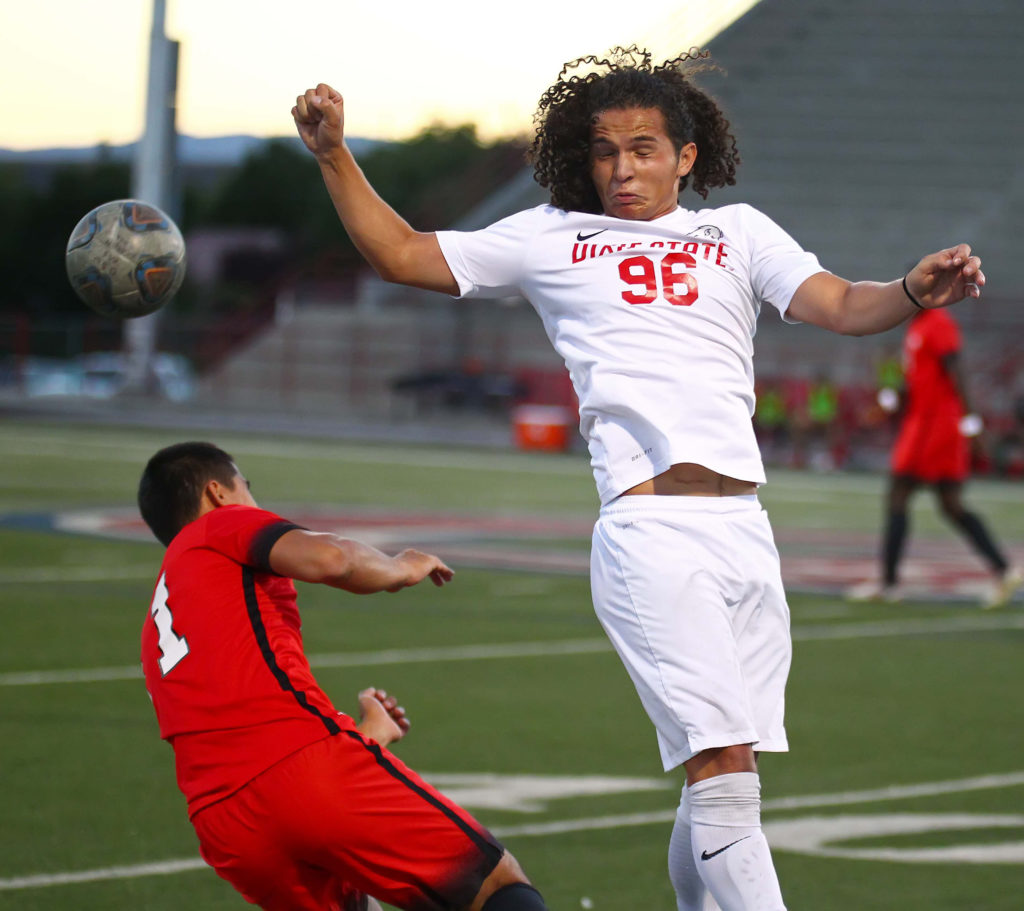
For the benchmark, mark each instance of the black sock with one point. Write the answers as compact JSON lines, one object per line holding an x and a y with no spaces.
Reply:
{"x":976,"y":532}
{"x":892,"y":545}
{"x":515,"y":897}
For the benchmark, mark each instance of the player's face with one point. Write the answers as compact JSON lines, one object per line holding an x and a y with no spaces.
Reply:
{"x":633,"y":164}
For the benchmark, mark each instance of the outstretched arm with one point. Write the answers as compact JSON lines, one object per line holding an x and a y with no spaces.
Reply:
{"x":397,"y":252}
{"x":311,"y":556}
{"x":864,"y":308}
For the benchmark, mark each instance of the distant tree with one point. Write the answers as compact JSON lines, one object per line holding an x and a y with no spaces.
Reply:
{"x":273,"y":187}
{"x":37,"y":223}
{"x":404,"y":173}
{"x":431,"y":180}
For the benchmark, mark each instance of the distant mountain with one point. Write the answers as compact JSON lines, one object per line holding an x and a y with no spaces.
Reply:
{"x":192,"y":150}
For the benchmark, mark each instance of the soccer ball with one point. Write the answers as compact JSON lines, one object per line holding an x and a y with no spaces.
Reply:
{"x":126,"y":258}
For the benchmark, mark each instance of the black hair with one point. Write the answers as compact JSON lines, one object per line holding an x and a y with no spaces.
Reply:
{"x":173,"y":481}
{"x":560,"y":152}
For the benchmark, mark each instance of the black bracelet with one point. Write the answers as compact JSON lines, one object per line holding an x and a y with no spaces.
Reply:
{"x":913,"y":299}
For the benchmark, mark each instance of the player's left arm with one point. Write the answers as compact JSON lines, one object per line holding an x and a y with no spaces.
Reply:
{"x":329,"y":559}
{"x":971,"y":424}
{"x":864,"y":308}
{"x":953,"y":368}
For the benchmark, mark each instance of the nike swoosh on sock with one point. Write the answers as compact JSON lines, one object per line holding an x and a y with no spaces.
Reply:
{"x":705,"y":856}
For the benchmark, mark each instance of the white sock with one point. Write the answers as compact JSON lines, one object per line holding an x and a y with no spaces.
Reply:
{"x":729,"y":848}
{"x":691,"y":893}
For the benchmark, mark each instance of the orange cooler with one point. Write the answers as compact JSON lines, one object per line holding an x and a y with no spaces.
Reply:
{"x":544,"y":427}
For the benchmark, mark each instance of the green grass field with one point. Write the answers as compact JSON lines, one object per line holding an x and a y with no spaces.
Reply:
{"x":904,"y":787}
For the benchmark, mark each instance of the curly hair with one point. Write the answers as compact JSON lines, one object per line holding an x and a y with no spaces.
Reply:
{"x":560,"y":151}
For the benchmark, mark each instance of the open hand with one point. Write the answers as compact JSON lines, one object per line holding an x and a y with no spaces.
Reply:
{"x":420,"y":566}
{"x":946,"y":277}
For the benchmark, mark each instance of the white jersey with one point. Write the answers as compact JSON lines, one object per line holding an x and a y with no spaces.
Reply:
{"x":655,"y":321}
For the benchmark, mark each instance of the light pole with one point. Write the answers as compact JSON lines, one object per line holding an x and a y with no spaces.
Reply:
{"x":154,"y":180}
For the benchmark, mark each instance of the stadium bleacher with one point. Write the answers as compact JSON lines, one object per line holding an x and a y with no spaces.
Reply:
{"x":872,"y":133}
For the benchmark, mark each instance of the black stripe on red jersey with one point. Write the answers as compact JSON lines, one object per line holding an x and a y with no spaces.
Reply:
{"x":492,"y":851}
{"x":264,"y":540}
{"x":252,"y":607}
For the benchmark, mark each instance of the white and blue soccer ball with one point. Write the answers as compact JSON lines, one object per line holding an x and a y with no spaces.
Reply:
{"x":126,"y":258}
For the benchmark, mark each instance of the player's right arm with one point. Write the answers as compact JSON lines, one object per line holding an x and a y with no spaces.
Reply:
{"x":397,"y":252}
{"x":329,"y":559}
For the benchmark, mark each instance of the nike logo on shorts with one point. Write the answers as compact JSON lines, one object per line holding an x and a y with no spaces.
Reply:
{"x":581,"y":236}
{"x":705,"y":856}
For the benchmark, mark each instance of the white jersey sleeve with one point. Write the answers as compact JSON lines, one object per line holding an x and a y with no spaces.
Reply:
{"x":778,"y":264}
{"x":489,"y":262}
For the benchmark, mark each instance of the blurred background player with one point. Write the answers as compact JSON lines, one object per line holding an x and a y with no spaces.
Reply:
{"x":296,"y":805}
{"x":653,"y":308}
{"x":933,"y":449}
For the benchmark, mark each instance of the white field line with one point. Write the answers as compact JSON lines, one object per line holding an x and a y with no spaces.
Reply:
{"x":874,"y":795}
{"x":74,"y":449}
{"x":342,"y":659}
{"x":102,"y":873}
{"x":966,"y":623}
{"x":113,"y":448}
{"x":662,"y":817}
{"x":896,"y":792}
{"x":57,"y":574}
{"x":814,"y":632}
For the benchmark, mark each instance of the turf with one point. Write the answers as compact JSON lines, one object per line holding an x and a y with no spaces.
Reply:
{"x":87,"y":784}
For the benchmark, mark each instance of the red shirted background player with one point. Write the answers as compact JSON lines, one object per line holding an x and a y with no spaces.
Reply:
{"x":294,"y":803}
{"x":932,"y":448}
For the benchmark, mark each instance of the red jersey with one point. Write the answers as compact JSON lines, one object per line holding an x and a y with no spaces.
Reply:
{"x":223,"y":659}
{"x":931,"y":336}
{"x":929,"y":446}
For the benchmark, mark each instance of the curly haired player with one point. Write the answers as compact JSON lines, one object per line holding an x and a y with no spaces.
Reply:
{"x":653,"y":307}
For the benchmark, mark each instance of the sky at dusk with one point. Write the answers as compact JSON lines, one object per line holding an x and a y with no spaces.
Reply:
{"x":74,"y":74}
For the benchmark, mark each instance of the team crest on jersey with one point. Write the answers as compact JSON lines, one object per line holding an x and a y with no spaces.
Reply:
{"x":707,"y":232}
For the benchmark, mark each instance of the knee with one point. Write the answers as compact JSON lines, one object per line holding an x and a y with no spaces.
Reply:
{"x":515,"y":897}
{"x":898,"y":496}
{"x":952,"y":510}
{"x":508,"y":889}
{"x":731,"y":800}
{"x":950,"y":503}
{"x":721,"y":761}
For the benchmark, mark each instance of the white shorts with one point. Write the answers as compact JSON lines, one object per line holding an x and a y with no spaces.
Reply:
{"x":690,"y":593}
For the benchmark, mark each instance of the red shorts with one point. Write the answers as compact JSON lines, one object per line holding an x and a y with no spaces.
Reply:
{"x":931,"y":448}
{"x":340,"y":818}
